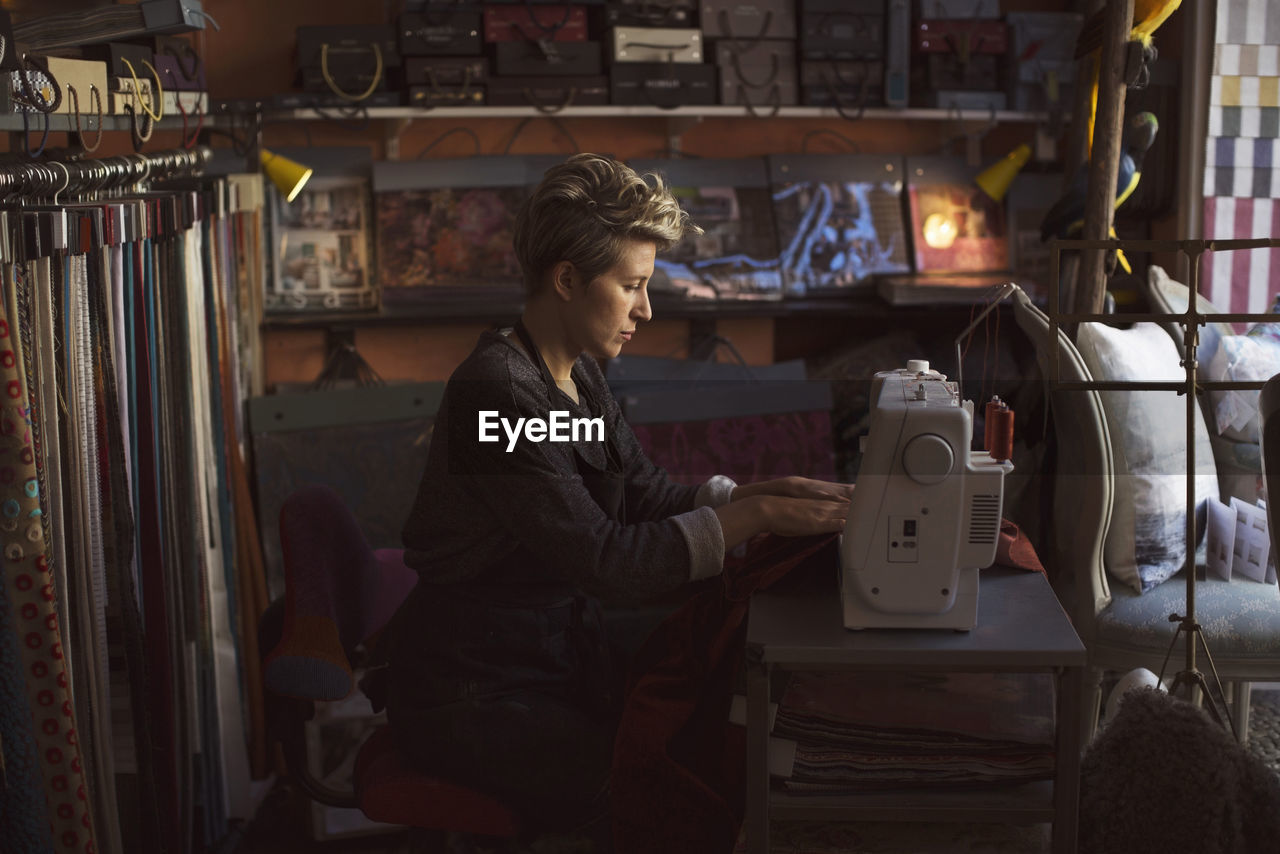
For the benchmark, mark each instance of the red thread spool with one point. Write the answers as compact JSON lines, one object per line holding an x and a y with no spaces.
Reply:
{"x":1002,"y":434}
{"x":988,"y":421}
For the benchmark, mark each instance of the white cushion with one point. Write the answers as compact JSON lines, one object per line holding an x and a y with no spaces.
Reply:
{"x":1241,"y":358}
{"x":1147,"y":540}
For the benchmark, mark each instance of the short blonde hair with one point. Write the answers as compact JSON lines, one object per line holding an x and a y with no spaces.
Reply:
{"x":585,"y":210}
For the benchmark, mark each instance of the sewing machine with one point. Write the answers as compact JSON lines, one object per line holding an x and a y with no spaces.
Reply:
{"x":926,"y":512}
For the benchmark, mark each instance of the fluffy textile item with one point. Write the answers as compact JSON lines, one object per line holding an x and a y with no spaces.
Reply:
{"x":1163,"y":777}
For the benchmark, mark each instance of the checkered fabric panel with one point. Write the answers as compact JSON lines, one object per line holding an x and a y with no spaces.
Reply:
{"x":1242,"y":155}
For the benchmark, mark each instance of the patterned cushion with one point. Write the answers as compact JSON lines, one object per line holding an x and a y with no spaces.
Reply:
{"x":1241,"y":618}
{"x":1146,"y":542}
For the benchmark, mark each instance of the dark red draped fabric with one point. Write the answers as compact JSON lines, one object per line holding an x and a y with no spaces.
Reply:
{"x":679,"y":765}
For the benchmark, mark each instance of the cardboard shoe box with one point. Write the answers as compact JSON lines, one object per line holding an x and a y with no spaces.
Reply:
{"x":543,"y":58}
{"x":848,"y":84}
{"x":760,"y":73}
{"x":445,"y":32}
{"x":84,"y":75}
{"x":655,"y":44}
{"x":748,"y":20}
{"x":535,"y":22}
{"x":459,"y":71}
{"x":663,"y":84}
{"x":549,"y":94}
{"x":842,"y":29}
{"x":651,"y":13}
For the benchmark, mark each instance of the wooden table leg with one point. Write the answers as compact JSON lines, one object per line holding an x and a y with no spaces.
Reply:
{"x":1066,"y":779}
{"x":757,"y":818}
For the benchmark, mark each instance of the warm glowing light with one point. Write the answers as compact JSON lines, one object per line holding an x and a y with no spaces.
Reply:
{"x":939,"y":231}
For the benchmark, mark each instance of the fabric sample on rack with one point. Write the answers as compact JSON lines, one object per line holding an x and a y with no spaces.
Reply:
{"x":24,"y":816}
{"x":30,"y":592}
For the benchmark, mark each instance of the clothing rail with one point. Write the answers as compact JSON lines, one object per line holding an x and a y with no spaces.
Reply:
{"x":53,"y":178}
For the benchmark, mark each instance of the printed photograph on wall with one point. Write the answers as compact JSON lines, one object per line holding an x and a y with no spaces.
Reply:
{"x":839,"y":222}
{"x":447,"y":236}
{"x":957,"y":228}
{"x":736,"y":256}
{"x":322,"y":258}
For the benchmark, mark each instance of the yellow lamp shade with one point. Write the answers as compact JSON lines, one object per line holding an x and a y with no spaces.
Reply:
{"x":996,"y":178}
{"x":289,"y":176}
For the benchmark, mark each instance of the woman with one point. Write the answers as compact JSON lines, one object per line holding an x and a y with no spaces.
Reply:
{"x":501,"y":675}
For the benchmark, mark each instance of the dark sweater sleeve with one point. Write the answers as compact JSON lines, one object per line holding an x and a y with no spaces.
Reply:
{"x":533,"y":493}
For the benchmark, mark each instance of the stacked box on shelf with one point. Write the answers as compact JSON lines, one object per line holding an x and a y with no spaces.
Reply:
{"x":749,"y":20}
{"x":651,"y":13}
{"x":348,"y":63}
{"x":178,"y":65}
{"x":755,"y":51}
{"x":842,"y":48}
{"x":659,"y":66}
{"x":77,"y":79}
{"x":760,"y":73}
{"x":543,"y":57}
{"x":125,"y":95}
{"x":443,"y":55}
{"x":1043,"y":55}
{"x":962,"y":62}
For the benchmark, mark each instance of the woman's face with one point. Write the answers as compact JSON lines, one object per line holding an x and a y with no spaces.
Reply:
{"x":604,"y":313}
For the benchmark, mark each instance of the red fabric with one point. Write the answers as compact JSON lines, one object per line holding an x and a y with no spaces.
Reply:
{"x":1015,"y":550}
{"x":747,"y":448}
{"x":392,"y":792}
{"x":678,"y":765}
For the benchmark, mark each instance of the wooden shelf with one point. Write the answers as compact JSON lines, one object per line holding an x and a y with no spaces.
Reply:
{"x":65,"y":123}
{"x":1025,"y":803}
{"x":614,"y":111}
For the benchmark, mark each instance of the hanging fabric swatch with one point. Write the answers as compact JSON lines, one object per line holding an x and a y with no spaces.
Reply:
{"x":32,"y":616}
{"x":130,"y":707}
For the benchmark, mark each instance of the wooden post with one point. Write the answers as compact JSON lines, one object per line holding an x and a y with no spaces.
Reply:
{"x":1100,"y":200}
{"x":1076,"y":154}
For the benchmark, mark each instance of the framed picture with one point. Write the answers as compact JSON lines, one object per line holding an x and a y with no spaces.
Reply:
{"x":736,"y":256}
{"x":839,"y":220}
{"x":955,"y":226}
{"x":322,"y":258}
{"x":445,"y":226}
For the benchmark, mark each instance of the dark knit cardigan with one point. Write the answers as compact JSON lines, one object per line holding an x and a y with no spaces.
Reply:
{"x":483,"y":514}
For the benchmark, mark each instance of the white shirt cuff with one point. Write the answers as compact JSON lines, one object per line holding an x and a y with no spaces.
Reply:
{"x":716,"y":492}
{"x":705,"y":537}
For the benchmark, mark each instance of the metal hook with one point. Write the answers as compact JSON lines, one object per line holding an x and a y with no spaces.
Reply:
{"x":66,"y":179}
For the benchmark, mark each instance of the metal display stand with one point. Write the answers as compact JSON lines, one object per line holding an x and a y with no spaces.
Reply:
{"x":1189,"y":678}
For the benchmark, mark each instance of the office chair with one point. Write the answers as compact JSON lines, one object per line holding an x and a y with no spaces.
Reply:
{"x":1121,"y":629}
{"x":339,"y":594}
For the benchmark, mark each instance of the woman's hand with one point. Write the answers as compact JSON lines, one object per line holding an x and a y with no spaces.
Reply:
{"x":800,"y":517}
{"x":796,"y":487}
{"x":740,"y":520}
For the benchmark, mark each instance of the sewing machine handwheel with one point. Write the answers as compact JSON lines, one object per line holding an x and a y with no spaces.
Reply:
{"x":928,"y":459}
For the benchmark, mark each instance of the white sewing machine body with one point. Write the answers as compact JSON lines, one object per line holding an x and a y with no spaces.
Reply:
{"x":926,"y":512}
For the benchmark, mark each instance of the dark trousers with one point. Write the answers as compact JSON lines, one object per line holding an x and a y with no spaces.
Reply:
{"x":536,"y":750}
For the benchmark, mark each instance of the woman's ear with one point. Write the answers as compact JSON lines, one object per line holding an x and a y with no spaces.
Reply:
{"x":564,"y":279}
